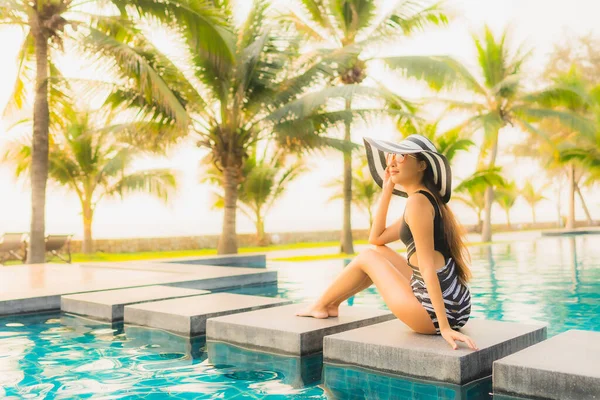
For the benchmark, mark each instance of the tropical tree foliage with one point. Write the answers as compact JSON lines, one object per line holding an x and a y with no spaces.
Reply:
{"x":350,"y":29}
{"x":500,"y":99}
{"x":506,"y":198}
{"x":261,"y":93}
{"x":532,"y":196}
{"x":471,"y":190}
{"x":365,"y":191}
{"x":102,"y":32}
{"x":90,"y":160}
{"x":264,"y":183}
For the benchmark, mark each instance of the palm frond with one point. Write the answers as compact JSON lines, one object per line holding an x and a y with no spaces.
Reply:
{"x":197,"y":20}
{"x":439,"y":72}
{"x":160,"y":183}
{"x":409,"y":17}
{"x":133,"y":63}
{"x":352,"y":16}
{"x":481,"y":179}
{"x":570,"y":120}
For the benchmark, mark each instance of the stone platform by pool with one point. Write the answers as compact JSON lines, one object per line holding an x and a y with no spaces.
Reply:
{"x":38,"y":287}
{"x":277,"y":329}
{"x":565,"y":367}
{"x":108,"y":305}
{"x":393,"y":347}
{"x":187,"y":316}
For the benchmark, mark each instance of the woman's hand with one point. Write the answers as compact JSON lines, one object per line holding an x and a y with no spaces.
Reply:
{"x":387,"y":177}
{"x":450,"y":335}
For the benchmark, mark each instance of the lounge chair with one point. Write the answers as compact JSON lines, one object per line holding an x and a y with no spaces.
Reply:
{"x":10,"y":246}
{"x":59,"y":246}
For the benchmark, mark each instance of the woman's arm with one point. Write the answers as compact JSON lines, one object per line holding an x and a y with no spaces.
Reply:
{"x":420,"y":216}
{"x":379,"y":235}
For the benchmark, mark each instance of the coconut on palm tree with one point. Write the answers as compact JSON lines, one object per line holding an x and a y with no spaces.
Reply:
{"x":100,"y":33}
{"x":264,"y":182}
{"x":88,"y":158}
{"x":353,"y":27}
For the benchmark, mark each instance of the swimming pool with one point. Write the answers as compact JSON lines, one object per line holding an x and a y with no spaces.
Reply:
{"x":555,"y":280}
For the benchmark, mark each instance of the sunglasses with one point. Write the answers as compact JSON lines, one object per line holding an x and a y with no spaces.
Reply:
{"x":399,"y":157}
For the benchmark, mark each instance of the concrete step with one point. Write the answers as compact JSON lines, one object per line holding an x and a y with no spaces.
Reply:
{"x":393,"y":347}
{"x":566,"y":366}
{"x":280,"y":330}
{"x":295,"y":371}
{"x":187,"y":316}
{"x":108,"y":305}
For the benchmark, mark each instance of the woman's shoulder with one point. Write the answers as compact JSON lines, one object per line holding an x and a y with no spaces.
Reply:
{"x":417,"y":205}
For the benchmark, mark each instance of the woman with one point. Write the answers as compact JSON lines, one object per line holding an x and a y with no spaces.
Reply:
{"x":428,"y":289}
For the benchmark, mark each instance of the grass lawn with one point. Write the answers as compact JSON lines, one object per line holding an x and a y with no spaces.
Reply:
{"x":154,"y":255}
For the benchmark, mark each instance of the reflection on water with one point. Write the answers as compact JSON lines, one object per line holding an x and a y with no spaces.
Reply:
{"x":357,"y":383}
{"x":554,"y":280}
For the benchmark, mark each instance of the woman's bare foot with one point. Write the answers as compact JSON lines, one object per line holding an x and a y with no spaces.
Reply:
{"x":332,"y":310}
{"x":313,"y":312}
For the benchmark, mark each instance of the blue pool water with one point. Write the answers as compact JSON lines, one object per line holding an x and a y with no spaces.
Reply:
{"x":553,"y":280}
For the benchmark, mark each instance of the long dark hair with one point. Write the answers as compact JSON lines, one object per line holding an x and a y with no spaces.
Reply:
{"x":454,"y":231}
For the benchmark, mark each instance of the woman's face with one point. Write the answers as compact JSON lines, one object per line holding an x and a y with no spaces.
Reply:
{"x":404,"y":169}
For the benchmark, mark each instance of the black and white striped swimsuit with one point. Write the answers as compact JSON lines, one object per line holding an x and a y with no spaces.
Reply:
{"x":457,"y":297}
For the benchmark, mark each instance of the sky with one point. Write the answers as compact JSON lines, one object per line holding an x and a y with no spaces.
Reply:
{"x":304,"y":207}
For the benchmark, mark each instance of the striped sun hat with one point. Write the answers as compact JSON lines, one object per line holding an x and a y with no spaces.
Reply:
{"x":376,"y":154}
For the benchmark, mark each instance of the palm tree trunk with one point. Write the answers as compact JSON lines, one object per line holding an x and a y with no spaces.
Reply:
{"x":228,"y":240}
{"x":346,"y":239}
{"x":508,"y":219}
{"x":479,"y":221}
{"x":88,"y":216}
{"x":533,"y":213}
{"x":486,"y":230}
{"x":558,"y":204}
{"x":39,"y":149}
{"x":260,"y":231}
{"x":585,"y":208}
{"x":571,"y":218}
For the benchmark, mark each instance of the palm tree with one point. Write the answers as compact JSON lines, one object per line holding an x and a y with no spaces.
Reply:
{"x":365,"y":192}
{"x":54,"y":25}
{"x":264,"y":183}
{"x":572,"y":93}
{"x":262,"y":93}
{"x":506,"y":197}
{"x":500,"y":101}
{"x":89,"y":159}
{"x":471,"y":190}
{"x":353,"y":27}
{"x":532,"y":196}
{"x":474,"y":199}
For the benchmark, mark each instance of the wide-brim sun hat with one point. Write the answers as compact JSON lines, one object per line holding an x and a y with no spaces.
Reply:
{"x":376,"y":156}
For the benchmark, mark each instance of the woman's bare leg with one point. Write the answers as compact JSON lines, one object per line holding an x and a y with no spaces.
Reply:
{"x":392,"y":256}
{"x":391,"y":283}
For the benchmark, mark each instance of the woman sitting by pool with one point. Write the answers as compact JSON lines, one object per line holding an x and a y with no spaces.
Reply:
{"x":428,"y":289}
